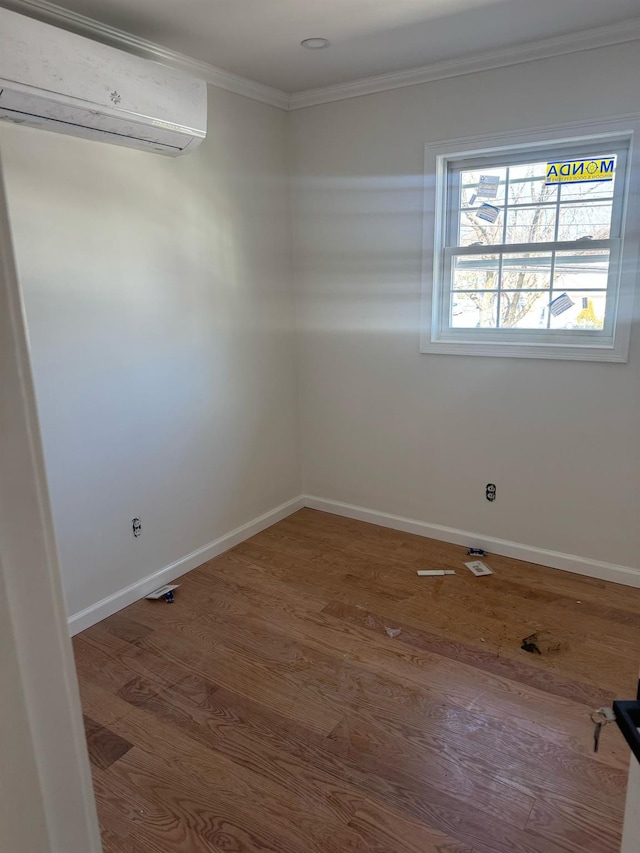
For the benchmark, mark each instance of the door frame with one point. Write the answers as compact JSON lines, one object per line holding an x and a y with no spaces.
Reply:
{"x":30,"y":576}
{"x":631,"y":831}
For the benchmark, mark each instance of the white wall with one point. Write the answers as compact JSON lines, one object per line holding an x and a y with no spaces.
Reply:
{"x":159,"y":306}
{"x":387,"y":428}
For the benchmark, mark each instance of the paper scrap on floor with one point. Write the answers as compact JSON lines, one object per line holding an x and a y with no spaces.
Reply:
{"x":479,"y":568}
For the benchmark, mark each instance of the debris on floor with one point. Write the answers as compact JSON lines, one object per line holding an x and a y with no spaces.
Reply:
{"x":431,"y":573}
{"x":542,"y":643}
{"x":165,"y":592}
{"x":479,"y":568}
{"x":393,"y":632}
{"x":476,"y":552}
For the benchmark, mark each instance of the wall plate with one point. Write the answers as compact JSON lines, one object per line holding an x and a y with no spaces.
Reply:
{"x":479,"y":568}
{"x":160,"y":593}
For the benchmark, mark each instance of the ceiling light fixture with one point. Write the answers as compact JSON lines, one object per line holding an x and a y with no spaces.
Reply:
{"x":315,"y":43}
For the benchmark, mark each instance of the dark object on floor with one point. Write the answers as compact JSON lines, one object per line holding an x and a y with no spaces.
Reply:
{"x":627,"y":716}
{"x":476,"y":552}
{"x":542,"y":643}
{"x":169,"y":597}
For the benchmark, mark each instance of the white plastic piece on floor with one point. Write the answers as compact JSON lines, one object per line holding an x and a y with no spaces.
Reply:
{"x":430,"y":573}
{"x":393,"y":632}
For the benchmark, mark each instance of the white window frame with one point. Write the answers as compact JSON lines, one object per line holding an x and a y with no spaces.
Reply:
{"x":608,"y":344}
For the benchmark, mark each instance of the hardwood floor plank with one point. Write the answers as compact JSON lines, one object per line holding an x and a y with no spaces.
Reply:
{"x":192,"y":823}
{"x":214,"y":707}
{"x":105,"y":746}
{"x":124,"y":628}
{"x":269,"y":709}
{"x":127,"y":808}
{"x":319,"y":630}
{"x":499,"y":619}
{"x":223,"y":722}
{"x":515,"y":670}
{"x":453,"y":764}
{"x":436,"y":678}
{"x":517,"y":665}
{"x":205,"y":789}
{"x":204,"y":766}
{"x":103,"y":668}
{"x":387,"y":832}
{"x":275,"y":685}
{"x":566,"y":824}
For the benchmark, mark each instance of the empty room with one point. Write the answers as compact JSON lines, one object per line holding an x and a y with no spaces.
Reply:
{"x":319,"y":426}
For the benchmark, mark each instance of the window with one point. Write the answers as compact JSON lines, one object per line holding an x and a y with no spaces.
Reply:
{"x":525,"y":255}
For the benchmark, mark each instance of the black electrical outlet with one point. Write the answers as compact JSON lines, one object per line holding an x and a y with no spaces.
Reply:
{"x":136,"y":524}
{"x":491,"y":491}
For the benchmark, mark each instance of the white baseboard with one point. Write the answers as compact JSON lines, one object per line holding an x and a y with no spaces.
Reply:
{"x":530,"y":554}
{"x":112,"y":603}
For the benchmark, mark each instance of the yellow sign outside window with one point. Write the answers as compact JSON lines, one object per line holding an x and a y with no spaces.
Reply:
{"x":578,"y":171}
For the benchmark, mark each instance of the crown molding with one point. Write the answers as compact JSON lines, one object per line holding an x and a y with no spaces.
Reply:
{"x":51,"y":13}
{"x":611,"y":34}
{"x":43,"y":10}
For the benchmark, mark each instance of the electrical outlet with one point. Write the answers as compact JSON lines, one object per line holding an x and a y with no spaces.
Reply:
{"x":136,"y":525}
{"x":491,"y":492}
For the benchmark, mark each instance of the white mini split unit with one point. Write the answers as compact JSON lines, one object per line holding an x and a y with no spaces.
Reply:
{"x":59,"y":81}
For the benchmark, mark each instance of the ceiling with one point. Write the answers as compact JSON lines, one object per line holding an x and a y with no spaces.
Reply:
{"x":260,"y":39}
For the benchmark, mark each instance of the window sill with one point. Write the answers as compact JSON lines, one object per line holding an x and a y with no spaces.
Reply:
{"x":526,"y":350}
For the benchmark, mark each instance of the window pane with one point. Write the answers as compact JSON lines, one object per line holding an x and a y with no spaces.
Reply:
{"x":588,"y":191}
{"x":524,"y":297}
{"x":473,"y":192}
{"x":474,"y":230}
{"x":530,"y":224}
{"x":473,"y":310}
{"x":586,"y":312}
{"x":526,"y":271}
{"x":591,"y":189}
{"x":581,"y":270}
{"x":522,"y":310}
{"x":585,"y":220}
{"x":476,"y":273}
{"x":527,"y":185}
{"x":528,"y":170}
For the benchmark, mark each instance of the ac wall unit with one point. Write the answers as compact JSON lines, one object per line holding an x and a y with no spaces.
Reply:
{"x":59,"y":81}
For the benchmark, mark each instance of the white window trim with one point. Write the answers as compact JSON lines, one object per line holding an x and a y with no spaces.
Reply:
{"x":613,"y":346}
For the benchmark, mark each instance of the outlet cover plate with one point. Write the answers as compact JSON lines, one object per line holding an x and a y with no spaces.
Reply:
{"x":479,"y":568}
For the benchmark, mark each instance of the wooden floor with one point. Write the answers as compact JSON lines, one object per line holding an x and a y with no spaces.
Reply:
{"x":308,"y":693}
